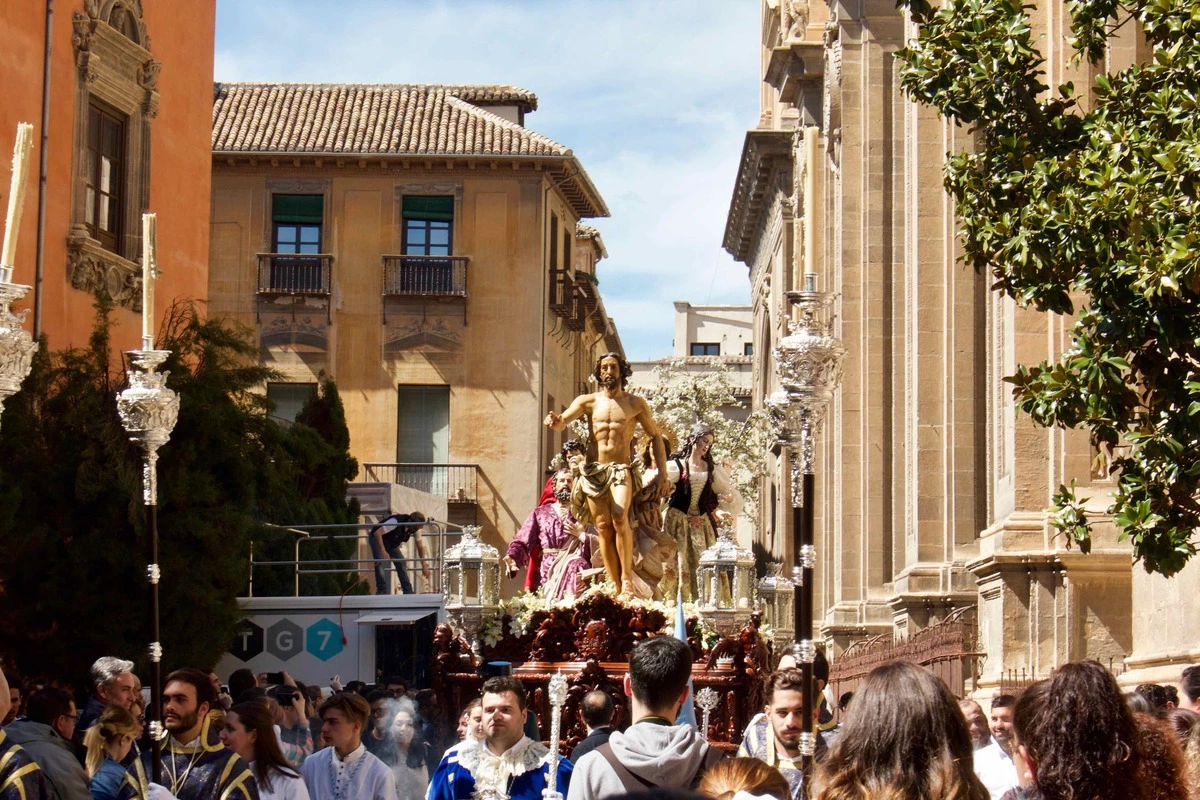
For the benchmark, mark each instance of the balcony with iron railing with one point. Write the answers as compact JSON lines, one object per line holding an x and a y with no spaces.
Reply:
{"x":425,"y":276}
{"x":294,"y":274}
{"x":458,"y":483}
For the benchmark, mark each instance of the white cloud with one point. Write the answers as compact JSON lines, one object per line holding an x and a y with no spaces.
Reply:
{"x":653,"y":95}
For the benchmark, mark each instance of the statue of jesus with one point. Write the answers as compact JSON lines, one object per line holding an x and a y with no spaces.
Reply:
{"x":605,"y":488}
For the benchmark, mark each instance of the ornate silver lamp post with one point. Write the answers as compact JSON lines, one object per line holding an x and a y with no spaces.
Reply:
{"x":471,"y":584}
{"x":809,"y":364}
{"x":148,"y":411}
{"x":725,"y":581}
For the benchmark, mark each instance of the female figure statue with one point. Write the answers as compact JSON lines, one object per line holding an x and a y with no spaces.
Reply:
{"x":701,"y":498}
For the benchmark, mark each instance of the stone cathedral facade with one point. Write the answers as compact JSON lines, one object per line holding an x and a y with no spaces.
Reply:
{"x":932,"y":491}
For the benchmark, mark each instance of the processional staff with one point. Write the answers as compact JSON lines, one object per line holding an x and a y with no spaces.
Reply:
{"x":557,"y":691}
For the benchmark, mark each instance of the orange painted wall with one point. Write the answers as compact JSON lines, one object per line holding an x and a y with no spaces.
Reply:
{"x":180,"y":165}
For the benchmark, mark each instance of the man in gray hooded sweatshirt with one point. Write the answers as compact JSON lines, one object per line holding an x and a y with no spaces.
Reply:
{"x":654,"y":751}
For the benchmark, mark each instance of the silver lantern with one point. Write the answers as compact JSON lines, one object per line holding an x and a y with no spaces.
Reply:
{"x":726,"y":585}
{"x":471,"y":584}
{"x":777,"y":600}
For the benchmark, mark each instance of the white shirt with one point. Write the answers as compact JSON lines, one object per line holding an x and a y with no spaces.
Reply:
{"x":995,"y":768}
{"x":359,"y":776}
{"x":283,"y":787}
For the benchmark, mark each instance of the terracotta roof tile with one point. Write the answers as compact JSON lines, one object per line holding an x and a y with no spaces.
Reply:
{"x":373,"y":119}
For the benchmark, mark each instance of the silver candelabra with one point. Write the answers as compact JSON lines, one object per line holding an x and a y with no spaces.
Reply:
{"x":149,"y":411}
{"x":16,"y":345}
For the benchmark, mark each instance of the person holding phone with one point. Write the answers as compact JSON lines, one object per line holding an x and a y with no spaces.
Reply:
{"x":295,"y":735}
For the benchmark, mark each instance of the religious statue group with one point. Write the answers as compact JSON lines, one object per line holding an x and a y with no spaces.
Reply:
{"x":621,"y":508}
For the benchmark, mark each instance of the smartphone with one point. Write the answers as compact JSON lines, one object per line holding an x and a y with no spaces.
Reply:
{"x":274,"y":678}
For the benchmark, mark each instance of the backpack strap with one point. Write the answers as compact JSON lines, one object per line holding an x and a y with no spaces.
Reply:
{"x":606,"y":752}
{"x":711,"y":757}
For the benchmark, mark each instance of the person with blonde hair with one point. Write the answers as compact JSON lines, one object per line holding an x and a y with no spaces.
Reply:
{"x":108,"y":743}
{"x":905,"y":738}
{"x":733,"y":776}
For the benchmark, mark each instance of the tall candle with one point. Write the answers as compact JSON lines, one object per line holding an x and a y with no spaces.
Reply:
{"x":149,"y":227}
{"x":811,"y":156}
{"x":16,"y":199}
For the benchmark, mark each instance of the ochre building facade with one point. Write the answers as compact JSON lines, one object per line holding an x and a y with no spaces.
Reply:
{"x":129,"y":111}
{"x":933,"y":492}
{"x":421,"y":246}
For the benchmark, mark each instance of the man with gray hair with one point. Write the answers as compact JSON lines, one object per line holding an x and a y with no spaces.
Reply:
{"x":113,"y":684}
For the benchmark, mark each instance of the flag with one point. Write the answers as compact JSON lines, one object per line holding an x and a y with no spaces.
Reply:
{"x":687,"y":713}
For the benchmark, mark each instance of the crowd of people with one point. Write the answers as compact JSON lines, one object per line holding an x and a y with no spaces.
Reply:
{"x":903,"y":735}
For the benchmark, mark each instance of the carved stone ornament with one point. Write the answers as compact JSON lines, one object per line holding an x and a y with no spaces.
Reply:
{"x":16,"y":345}
{"x":112,"y":47}
{"x":93,"y":268}
{"x":426,"y":334}
{"x":795,"y":20}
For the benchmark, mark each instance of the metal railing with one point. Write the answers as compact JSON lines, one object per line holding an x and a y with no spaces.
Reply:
{"x":434,"y":543}
{"x":436,"y":276}
{"x":949,"y":649}
{"x":458,"y":483}
{"x":297,"y":274}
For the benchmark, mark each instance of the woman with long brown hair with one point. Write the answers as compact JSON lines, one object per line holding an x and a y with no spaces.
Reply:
{"x":249,"y":731}
{"x":1076,"y":739}
{"x":904,"y":738}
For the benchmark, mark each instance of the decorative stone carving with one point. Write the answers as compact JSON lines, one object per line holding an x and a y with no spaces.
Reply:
{"x":422,"y":334}
{"x":286,"y":330}
{"x":92,"y":268}
{"x":147,"y":76}
{"x":795,"y":20}
{"x":298,"y":186}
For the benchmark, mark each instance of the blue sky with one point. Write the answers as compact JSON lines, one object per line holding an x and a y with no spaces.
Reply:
{"x":654,"y":96}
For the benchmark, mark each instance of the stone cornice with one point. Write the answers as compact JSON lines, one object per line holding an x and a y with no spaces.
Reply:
{"x":565,"y":173}
{"x":765,"y":152}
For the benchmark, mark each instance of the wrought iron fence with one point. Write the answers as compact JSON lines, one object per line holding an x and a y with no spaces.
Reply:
{"x":458,"y":483}
{"x":438,"y":276}
{"x":289,"y":273}
{"x":1014,"y":681}
{"x":948,"y":649}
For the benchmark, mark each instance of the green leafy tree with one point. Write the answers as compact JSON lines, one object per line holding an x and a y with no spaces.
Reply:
{"x":72,"y":524}
{"x":1088,"y":209}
